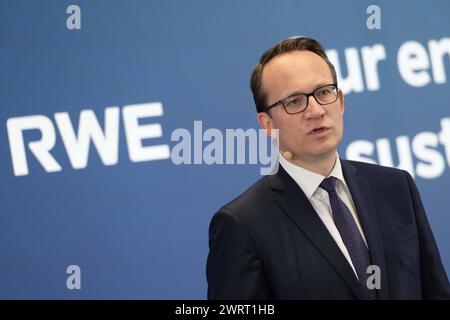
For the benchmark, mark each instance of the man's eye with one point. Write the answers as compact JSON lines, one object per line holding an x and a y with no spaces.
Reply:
{"x":324,"y":92}
{"x":294,"y":101}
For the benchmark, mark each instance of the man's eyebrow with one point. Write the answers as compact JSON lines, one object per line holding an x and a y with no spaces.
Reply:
{"x":320,"y":84}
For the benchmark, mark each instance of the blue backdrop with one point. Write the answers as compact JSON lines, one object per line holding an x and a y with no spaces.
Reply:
{"x":138,"y":228}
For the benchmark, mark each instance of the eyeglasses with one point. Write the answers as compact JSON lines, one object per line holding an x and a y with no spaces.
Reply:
{"x":298,"y":102}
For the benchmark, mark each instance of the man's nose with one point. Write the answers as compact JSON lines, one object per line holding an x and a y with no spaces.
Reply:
{"x":314,"y":110}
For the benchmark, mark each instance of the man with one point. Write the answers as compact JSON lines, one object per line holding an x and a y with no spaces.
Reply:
{"x":321,"y":227}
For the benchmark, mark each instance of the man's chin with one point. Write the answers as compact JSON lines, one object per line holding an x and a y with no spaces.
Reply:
{"x":324,"y":153}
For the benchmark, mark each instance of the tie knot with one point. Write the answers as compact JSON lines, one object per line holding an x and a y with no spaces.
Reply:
{"x":329,"y":184}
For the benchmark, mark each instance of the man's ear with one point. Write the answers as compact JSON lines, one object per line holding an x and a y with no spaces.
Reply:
{"x":341,"y":100}
{"x":266,"y":122}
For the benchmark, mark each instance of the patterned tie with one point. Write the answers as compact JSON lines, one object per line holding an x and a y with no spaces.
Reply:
{"x":350,"y":235}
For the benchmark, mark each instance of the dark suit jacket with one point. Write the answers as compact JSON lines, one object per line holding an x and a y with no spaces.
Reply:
{"x":269,"y":243}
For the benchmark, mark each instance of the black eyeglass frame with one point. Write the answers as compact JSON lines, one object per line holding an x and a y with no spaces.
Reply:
{"x":282,"y":101}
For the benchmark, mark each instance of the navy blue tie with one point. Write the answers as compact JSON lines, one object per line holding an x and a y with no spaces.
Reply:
{"x":350,"y":235}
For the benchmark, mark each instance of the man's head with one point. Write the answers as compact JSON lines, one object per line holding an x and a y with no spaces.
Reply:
{"x":295,"y":66}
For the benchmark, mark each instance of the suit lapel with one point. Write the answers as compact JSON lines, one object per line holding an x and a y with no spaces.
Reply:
{"x":366,"y":209}
{"x":293,"y":201}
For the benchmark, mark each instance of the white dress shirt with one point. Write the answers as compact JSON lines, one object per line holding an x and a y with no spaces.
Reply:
{"x":309,"y":182}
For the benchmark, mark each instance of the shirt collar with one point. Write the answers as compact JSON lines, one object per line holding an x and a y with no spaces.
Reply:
{"x":307,"y":180}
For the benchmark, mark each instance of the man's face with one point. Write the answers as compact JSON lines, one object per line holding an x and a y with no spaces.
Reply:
{"x":302,"y":71}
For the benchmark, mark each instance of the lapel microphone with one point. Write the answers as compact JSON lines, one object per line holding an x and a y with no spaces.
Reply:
{"x":287,"y":155}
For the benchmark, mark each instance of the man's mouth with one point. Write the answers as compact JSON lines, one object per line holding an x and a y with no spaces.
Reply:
{"x":319,"y":129}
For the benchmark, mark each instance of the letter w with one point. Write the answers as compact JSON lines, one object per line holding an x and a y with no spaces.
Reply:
{"x":77,"y":146}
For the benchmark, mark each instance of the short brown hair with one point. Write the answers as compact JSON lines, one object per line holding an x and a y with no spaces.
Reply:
{"x":284,"y":46}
